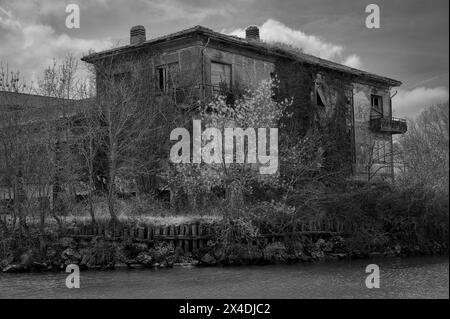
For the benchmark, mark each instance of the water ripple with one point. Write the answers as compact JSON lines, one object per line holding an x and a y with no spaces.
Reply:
{"x":400,"y":278}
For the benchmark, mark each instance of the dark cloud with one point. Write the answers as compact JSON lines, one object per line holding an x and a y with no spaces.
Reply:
{"x":412,"y":44}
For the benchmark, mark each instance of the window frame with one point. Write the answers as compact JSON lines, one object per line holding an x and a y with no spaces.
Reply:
{"x":379,"y":110}
{"x":166,"y":85}
{"x":230,"y":65}
{"x":319,"y":97}
{"x":161,"y":71}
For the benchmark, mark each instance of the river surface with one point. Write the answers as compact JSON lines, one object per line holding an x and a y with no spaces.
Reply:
{"x":424,"y":277}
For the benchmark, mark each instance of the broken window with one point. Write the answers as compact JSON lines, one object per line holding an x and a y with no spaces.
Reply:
{"x":377,"y":103}
{"x":167,"y":77}
{"x":161,"y":79}
{"x":319,"y":99}
{"x":220,"y":76}
{"x":320,"y":96}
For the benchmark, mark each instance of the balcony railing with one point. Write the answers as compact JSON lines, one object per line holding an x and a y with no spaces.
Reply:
{"x":389,"y":125}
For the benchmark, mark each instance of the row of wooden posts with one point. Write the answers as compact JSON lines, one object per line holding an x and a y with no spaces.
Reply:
{"x":188,"y":237}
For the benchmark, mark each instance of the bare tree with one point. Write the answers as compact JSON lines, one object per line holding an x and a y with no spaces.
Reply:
{"x":88,"y":141}
{"x":425,"y":148}
{"x":130,"y":118}
{"x":10,"y":81}
{"x":60,"y":82}
{"x":15,"y":150}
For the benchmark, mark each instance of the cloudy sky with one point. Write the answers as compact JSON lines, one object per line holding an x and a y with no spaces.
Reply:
{"x":412,"y":44}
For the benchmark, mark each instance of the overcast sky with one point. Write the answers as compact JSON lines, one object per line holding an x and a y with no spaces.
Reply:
{"x":412,"y":44}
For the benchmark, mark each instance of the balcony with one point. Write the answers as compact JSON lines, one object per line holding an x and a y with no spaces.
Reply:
{"x":389,"y":125}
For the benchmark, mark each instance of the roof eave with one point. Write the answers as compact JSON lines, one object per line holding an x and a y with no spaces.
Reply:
{"x":254,"y":46}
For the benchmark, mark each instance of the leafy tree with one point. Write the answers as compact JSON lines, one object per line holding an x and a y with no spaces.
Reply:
{"x":255,"y":109}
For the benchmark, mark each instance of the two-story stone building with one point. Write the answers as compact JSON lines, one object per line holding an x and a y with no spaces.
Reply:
{"x":195,"y":63}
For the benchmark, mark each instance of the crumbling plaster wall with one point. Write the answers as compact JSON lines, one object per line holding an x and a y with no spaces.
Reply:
{"x":188,"y":58}
{"x":246,"y":71}
{"x":189,"y":61}
{"x":373,"y":150}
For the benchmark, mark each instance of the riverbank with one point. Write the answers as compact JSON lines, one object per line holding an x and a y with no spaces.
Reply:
{"x":228,"y":243}
{"x":314,"y":225}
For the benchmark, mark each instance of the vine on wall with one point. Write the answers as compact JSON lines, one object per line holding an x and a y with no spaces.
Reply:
{"x":335,"y":124}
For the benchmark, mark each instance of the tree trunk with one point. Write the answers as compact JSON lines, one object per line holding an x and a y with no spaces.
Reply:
{"x":111,"y":187}
{"x":91,"y":190}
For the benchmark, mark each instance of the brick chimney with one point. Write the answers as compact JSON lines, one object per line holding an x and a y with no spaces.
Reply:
{"x":137,"y":34}
{"x":252,"y":33}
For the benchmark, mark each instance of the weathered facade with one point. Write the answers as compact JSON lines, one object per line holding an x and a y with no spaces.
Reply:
{"x":194,"y":63}
{"x":30,"y":144}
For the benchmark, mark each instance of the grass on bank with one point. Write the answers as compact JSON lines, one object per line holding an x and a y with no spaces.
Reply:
{"x":135,"y":210}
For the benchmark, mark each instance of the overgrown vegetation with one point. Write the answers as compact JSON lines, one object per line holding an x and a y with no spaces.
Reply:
{"x":101,"y":163}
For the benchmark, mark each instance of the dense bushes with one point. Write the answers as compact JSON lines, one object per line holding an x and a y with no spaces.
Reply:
{"x":378,"y":218}
{"x":362,"y":221}
{"x":414,"y":215}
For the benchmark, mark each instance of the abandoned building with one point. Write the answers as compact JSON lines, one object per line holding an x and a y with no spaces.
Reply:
{"x":201,"y":62}
{"x":30,"y":144}
{"x":196,"y":63}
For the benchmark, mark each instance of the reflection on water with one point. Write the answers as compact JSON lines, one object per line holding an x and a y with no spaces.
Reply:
{"x":400,"y":278}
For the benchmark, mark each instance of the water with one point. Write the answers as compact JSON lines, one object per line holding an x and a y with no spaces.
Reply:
{"x":422,"y":277}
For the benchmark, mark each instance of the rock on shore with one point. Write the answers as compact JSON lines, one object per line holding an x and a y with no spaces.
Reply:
{"x":98,"y":253}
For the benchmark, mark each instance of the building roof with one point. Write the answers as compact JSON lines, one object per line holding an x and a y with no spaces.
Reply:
{"x":262,"y":47}
{"x":35,"y":108}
